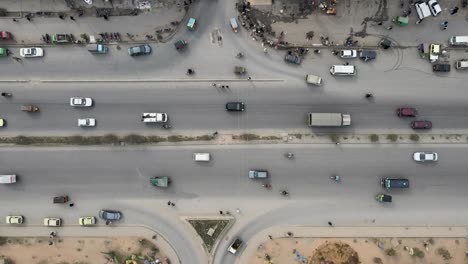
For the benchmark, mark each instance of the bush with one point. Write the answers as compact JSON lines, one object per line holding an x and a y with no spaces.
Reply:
{"x":374,"y":138}
{"x":418,"y":253}
{"x":76,"y":140}
{"x":110,"y":139}
{"x":444,"y":253}
{"x":391,"y":252}
{"x":414,"y":137}
{"x":22,"y":140}
{"x":3,"y":241}
{"x":135,"y":139}
{"x":392,"y":137}
{"x":378,"y":260}
{"x":334,"y":138}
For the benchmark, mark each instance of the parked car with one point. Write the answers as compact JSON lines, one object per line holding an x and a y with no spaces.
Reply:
{"x":52,"y":221}
{"x":445,"y":67}
{"x":139,"y":50}
{"x":87,"y":220}
{"x":367,"y":55}
{"x":109,"y":214}
{"x":258,"y":174}
{"x":348,"y":54}
{"x":2,"y":122}
{"x":5,"y":35}
{"x":407,"y":112}
{"x":235,"y":245}
{"x":292,"y":58}
{"x":86,"y":122}
{"x":235,"y":106}
{"x":388,"y":183}
{"x":154,"y":117}
{"x":31,"y":52}
{"x":14,"y":219}
{"x":425,"y":156}
{"x":81,"y":101}
{"x":422,"y":9}
{"x":434,"y":7}
{"x":421,"y":124}
{"x":7,"y":179}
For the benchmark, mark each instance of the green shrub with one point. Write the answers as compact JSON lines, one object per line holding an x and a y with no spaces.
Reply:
{"x":22,"y":140}
{"x":391,"y":252}
{"x":110,"y":139}
{"x":392,"y":137}
{"x":414,"y":137}
{"x":444,"y":253}
{"x":418,"y":253}
{"x":334,"y":138}
{"x":135,"y":139}
{"x":374,"y":138}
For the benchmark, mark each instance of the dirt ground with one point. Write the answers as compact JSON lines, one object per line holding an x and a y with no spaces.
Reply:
{"x":78,"y":250}
{"x":368,"y":251}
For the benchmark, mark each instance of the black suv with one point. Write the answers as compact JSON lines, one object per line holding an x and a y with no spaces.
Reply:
{"x":388,"y":183}
{"x":235,"y":106}
{"x":441,"y":67}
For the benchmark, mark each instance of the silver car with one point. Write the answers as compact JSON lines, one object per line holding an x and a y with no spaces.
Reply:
{"x":258,"y":174}
{"x":139,"y":50}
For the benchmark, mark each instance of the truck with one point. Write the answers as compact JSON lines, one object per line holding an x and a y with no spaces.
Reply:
{"x":235,"y":246}
{"x":329,"y":119}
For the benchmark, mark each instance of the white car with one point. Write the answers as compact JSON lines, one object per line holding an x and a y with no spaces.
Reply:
{"x":154,"y":117}
{"x":425,"y":156}
{"x":86,"y":122}
{"x":31,"y":52}
{"x":14,"y":219}
{"x":87,"y":220}
{"x":423,"y":10}
{"x":81,"y":101}
{"x":52,"y":221}
{"x":434,"y":7}
{"x":348,"y":54}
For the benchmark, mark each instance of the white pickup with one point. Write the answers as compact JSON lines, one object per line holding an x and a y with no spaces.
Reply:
{"x":154,"y":117}
{"x":201,"y":156}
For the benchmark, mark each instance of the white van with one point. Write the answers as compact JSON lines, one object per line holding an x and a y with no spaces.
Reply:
{"x":313,"y":79}
{"x":343,"y":70}
{"x":234,"y":25}
{"x":7,"y":179}
{"x":423,"y":10}
{"x":458,"y":40}
{"x":461,"y":65}
{"x":201,"y":156}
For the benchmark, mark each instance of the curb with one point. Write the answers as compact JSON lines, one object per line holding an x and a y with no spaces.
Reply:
{"x":15,"y":81}
{"x":161,"y":80}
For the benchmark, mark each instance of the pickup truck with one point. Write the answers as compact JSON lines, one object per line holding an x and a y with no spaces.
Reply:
{"x":235,"y":246}
{"x":329,"y":119}
{"x":154,"y":117}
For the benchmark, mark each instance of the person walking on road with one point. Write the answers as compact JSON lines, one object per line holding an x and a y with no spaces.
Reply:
{"x":330,"y":223}
{"x":454,"y":10}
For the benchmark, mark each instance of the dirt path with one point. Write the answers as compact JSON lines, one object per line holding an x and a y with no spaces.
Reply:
{"x":78,"y":250}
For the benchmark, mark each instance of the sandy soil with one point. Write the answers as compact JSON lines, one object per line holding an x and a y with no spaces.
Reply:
{"x":301,"y":250}
{"x":76,"y":250}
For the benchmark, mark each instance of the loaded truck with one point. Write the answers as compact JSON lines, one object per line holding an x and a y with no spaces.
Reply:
{"x":329,"y":119}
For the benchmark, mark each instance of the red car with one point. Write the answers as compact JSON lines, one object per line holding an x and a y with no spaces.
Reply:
{"x":5,"y":35}
{"x":407,"y":112}
{"x":421,"y":124}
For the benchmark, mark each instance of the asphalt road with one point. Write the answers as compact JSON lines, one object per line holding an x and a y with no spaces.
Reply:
{"x":94,"y":176}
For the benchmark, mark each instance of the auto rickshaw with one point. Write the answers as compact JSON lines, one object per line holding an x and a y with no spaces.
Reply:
{"x":3,"y":52}
{"x":383,"y":198}
{"x":29,"y":108}
{"x":160,"y":181}
{"x":180,"y":44}
{"x":401,"y":20}
{"x":191,"y":23}
{"x":239,"y":70}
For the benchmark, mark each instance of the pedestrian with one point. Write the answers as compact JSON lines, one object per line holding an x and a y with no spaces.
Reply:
{"x":213,"y":84}
{"x":221,"y":212}
{"x":238,"y":210}
{"x":28,"y":18}
{"x":346,"y":63}
{"x":15,"y":20}
{"x":222,"y":86}
{"x":454,"y":10}
{"x":72,"y":18}
{"x":330,"y":223}
{"x":227,"y":86}
{"x":72,"y":204}
{"x":270,"y":237}
{"x":380,"y":23}
{"x":250,"y":78}
{"x":169,"y":203}
{"x":290,"y":234}
{"x":389,"y":28}
{"x":61,"y":17}
{"x":172,"y":204}
{"x":106,"y":17}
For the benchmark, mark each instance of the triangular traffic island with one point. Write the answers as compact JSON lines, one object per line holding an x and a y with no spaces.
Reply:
{"x":210,"y":230}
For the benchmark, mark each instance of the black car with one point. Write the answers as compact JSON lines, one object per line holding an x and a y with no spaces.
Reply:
{"x":441,"y":67}
{"x":235,"y":106}
{"x":388,"y":183}
{"x":367,"y":55}
{"x":292,"y":58}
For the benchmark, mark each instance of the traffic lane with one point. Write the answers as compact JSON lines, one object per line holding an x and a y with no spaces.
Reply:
{"x":90,"y":173}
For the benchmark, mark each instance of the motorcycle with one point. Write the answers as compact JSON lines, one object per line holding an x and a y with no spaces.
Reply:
{"x":240,"y":55}
{"x":166,"y":126}
{"x":289,"y":155}
{"x":284,"y":192}
{"x":190,"y":71}
{"x":5,"y":94}
{"x":369,"y":95}
{"x":266,"y":185}
{"x":317,"y":51}
{"x":336,"y":178}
